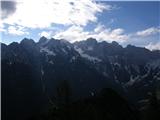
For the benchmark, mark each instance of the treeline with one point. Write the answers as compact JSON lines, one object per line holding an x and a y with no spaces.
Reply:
{"x":106,"y":105}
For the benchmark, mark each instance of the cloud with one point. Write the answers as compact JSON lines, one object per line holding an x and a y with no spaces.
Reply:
{"x":148,"y":32}
{"x":72,"y":34}
{"x":45,"y":13}
{"x":17,"y":30}
{"x":8,"y":8}
{"x":77,"y":33}
{"x":46,"y":34}
{"x":2,"y":27}
{"x":2,"y":30}
{"x":153,"y":46}
{"x":99,"y":28}
{"x":110,"y":35}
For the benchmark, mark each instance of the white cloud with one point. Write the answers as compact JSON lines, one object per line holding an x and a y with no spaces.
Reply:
{"x":2,"y":30}
{"x":77,"y":33}
{"x":72,"y":34}
{"x":110,"y":35}
{"x":153,"y":46}
{"x":148,"y":32}
{"x":99,"y":28}
{"x":17,"y":30}
{"x":2,"y":27}
{"x":46,"y":34}
{"x":44,"y":13}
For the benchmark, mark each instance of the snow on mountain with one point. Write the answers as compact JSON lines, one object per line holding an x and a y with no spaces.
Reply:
{"x":88,"y":64}
{"x":91,"y":58}
{"x":47,"y":51}
{"x":132,"y":81}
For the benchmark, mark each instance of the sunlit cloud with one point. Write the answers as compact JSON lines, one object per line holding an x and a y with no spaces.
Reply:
{"x":77,"y":33}
{"x":72,"y":34}
{"x":47,"y":34}
{"x":148,"y":32}
{"x":17,"y":30}
{"x":153,"y":46}
{"x":44,"y":13}
{"x":2,"y":27}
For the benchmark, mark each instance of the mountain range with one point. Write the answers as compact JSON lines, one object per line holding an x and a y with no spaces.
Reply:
{"x":31,"y":72}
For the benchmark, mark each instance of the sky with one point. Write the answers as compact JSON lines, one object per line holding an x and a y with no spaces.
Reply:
{"x":127,"y":22}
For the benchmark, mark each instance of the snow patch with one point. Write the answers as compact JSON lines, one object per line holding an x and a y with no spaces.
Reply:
{"x":144,"y":101}
{"x":91,"y":58}
{"x":90,"y":48}
{"x":10,"y":63}
{"x":51,"y":62}
{"x":42,"y":71}
{"x":68,"y":47}
{"x":127,"y":69}
{"x":136,"y":68}
{"x":115,"y":77}
{"x":73,"y":58}
{"x":132,"y":81}
{"x":46,"y":41}
{"x":46,"y":50}
{"x":105,"y":74}
{"x":64,"y":51}
{"x":154,"y":64}
{"x":117,"y":64}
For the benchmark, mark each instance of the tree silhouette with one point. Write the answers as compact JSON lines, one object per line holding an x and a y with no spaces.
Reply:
{"x":63,"y":97}
{"x":63,"y":94}
{"x":152,"y":111}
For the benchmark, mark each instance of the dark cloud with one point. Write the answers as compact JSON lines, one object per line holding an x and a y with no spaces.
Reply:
{"x":8,"y":8}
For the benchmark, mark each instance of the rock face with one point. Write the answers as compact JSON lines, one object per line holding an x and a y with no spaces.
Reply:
{"x":31,"y":72}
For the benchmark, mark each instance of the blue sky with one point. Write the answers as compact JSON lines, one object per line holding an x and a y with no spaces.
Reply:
{"x":133,"y":16}
{"x":127,"y":22}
